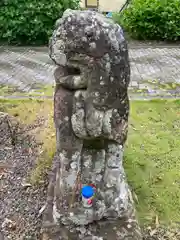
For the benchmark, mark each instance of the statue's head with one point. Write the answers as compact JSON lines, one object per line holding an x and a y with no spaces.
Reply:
{"x":85,"y":33}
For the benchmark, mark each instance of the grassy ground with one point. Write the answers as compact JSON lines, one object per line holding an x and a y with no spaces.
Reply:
{"x":152,"y":156}
{"x":152,"y":159}
{"x":40,"y":90}
{"x":28,"y":112}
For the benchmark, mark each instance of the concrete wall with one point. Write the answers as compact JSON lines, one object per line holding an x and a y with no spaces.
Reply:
{"x":110,"y":5}
{"x":106,"y":5}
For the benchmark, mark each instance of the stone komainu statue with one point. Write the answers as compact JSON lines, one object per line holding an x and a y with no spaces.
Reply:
{"x":91,"y":109}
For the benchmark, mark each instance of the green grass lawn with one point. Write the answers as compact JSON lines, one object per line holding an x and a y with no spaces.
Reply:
{"x":152,"y":159}
{"x":152,"y":155}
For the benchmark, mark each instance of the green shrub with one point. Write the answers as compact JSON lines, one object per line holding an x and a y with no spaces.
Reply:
{"x":30,"y":21}
{"x":151,"y":19}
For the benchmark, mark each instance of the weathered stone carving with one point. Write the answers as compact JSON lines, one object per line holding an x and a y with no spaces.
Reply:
{"x":91,"y":109}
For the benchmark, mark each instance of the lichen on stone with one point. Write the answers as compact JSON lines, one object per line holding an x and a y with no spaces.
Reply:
{"x":91,"y":109}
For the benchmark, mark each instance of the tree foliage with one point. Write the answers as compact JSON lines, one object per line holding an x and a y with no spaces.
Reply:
{"x":30,"y":21}
{"x":152,"y":19}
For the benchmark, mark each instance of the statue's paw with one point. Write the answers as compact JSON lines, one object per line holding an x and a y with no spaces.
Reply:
{"x":94,"y":122}
{"x":78,"y":124}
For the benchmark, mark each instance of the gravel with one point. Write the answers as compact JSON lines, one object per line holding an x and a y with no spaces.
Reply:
{"x":20,"y":202}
